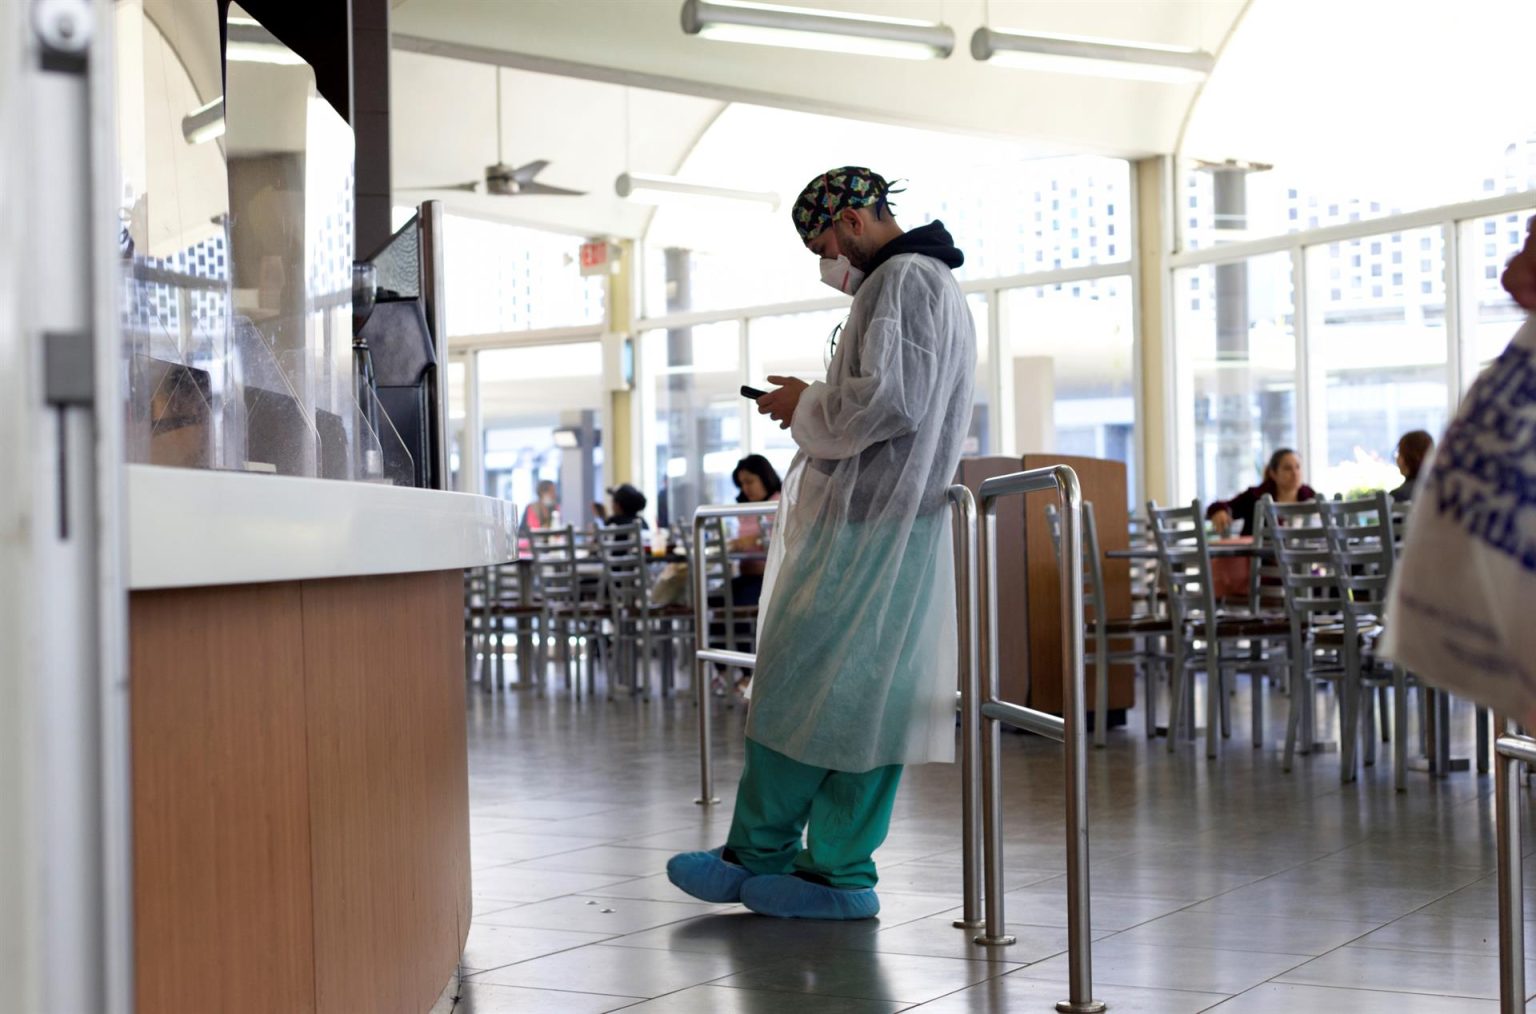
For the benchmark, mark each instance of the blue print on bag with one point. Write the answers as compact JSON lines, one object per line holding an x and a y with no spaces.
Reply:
{"x":1484,"y":475}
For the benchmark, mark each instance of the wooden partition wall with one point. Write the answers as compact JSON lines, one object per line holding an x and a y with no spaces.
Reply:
{"x":1028,"y":581}
{"x":301,"y":817}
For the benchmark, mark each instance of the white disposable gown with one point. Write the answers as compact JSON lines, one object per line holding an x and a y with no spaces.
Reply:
{"x":857,"y":646}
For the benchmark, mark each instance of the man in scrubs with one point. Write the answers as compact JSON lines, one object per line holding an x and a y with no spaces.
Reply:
{"x":856,"y":663}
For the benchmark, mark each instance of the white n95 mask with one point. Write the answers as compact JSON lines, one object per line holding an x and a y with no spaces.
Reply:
{"x":841,"y":275}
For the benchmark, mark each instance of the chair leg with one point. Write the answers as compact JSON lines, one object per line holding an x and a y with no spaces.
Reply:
{"x":1101,"y":689}
{"x":1293,"y":720}
{"x":1384,"y":697}
{"x":1177,"y":682}
{"x":1149,"y":683}
{"x":1214,"y":693}
{"x":1368,"y":725}
{"x":1256,"y":683}
{"x":1228,"y":687}
{"x":1400,"y":719}
{"x":1349,"y":715}
{"x":1483,"y":737}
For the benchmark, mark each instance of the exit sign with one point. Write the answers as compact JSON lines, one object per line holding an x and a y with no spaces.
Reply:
{"x":598,"y":258}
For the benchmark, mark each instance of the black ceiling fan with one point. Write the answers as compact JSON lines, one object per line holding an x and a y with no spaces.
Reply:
{"x":503,"y":180}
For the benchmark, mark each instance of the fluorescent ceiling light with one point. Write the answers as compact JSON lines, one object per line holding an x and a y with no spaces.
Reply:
{"x":204,"y":123}
{"x":807,"y":28}
{"x":1069,"y":54}
{"x":663,"y":189}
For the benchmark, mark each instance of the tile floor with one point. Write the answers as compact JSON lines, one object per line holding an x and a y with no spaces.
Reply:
{"x":1227,"y":886}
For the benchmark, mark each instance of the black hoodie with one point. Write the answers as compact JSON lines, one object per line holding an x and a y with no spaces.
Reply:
{"x":932,"y":240}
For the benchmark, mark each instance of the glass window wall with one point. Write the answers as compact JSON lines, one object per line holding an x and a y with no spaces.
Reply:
{"x":1378,"y":353}
{"x":1489,"y":317}
{"x":1236,"y":371}
{"x":1070,"y":350}
{"x":503,"y":277}
{"x":693,"y":428}
{"x":540,"y":412}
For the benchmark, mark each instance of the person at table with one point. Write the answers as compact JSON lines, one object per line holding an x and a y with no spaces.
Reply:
{"x":541,"y":514}
{"x":756,"y":482}
{"x":1282,"y":481}
{"x":626,"y":505}
{"x":1412,"y":450}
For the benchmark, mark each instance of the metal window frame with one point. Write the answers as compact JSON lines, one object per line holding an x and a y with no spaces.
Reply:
{"x":1450,"y":219}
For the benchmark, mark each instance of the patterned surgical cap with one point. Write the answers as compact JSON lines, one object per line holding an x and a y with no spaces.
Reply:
{"x":848,"y":187}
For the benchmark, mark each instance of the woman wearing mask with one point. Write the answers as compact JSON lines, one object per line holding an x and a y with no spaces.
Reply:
{"x":1412,"y":451}
{"x":1282,"y":481}
{"x":756,"y":482}
{"x":541,"y":513}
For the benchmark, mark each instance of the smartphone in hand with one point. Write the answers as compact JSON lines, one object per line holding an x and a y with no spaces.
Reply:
{"x":751,"y":392}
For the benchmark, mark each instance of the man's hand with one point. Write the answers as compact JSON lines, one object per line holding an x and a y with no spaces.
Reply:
{"x":780,"y":404}
{"x":1520,"y":273}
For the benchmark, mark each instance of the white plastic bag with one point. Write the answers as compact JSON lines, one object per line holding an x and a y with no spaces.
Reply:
{"x":1463,"y":609}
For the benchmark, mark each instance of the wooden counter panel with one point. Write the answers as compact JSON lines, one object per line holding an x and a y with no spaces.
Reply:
{"x":222,"y":914}
{"x":387,"y":783}
{"x":301,"y":812}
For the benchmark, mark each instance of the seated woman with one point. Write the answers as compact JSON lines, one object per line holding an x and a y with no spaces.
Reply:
{"x":1412,"y":450}
{"x":541,"y":513}
{"x":628,"y":503}
{"x":1282,"y":480}
{"x":756,"y":482}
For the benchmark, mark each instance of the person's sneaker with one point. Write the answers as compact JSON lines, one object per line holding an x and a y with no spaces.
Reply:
{"x":786,"y":896}
{"x":708,"y":877}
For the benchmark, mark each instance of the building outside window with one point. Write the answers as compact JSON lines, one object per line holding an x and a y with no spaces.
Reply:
{"x":1236,"y":373}
{"x":1379,"y":369}
{"x":1070,"y":351}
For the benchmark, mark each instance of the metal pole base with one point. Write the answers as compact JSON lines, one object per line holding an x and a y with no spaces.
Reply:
{"x":1002,"y":941}
{"x":712,"y":801}
{"x":968,"y":923}
{"x":1091,"y":1007}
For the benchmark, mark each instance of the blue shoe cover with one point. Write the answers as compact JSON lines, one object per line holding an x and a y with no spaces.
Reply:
{"x":789,"y":897}
{"x":708,"y":877}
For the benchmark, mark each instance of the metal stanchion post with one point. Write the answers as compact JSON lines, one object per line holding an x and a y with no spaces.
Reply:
{"x":963,"y":505}
{"x":1506,"y":806}
{"x":1069,"y":730}
{"x":991,"y":732}
{"x":703,"y":655}
{"x":707,"y":795}
{"x":1075,"y":743}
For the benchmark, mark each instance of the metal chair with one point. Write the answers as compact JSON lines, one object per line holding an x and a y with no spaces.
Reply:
{"x":1361,"y":534}
{"x":1201,"y":629}
{"x":635,"y":618}
{"x":476,"y":620}
{"x":513,"y":609}
{"x":1324,"y":635}
{"x":568,"y":615}
{"x":1144,"y":630}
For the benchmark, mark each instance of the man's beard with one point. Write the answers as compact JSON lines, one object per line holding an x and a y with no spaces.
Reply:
{"x":859,"y":253}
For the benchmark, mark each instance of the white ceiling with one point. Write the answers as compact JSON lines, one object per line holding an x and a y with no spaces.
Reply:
{"x":1340,"y":96}
{"x":1405,"y":102}
{"x":636,"y":39}
{"x":443,"y":131}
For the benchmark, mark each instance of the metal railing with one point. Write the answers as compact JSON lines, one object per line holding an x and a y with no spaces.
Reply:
{"x":985,"y":710}
{"x":1510,"y":749}
{"x":962,"y":504}
{"x":703,"y":655}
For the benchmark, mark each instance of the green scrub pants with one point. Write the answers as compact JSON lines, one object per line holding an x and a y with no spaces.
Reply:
{"x":849,"y":815}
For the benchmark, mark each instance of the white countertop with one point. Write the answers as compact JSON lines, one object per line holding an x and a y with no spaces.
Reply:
{"x":191,"y":527}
